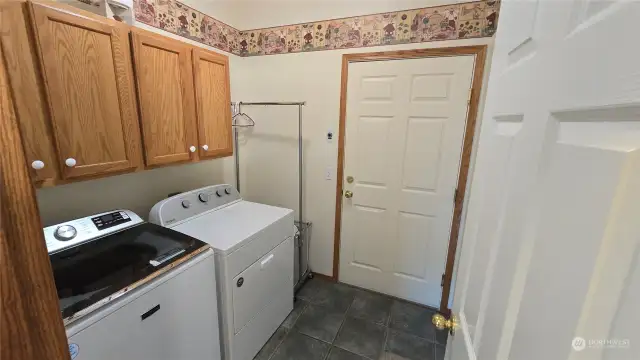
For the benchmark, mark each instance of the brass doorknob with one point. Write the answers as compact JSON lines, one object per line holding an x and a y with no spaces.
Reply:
{"x":442,"y":323}
{"x":348,"y":194}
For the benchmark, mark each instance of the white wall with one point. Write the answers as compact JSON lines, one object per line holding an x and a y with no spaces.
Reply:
{"x":137,"y":191}
{"x":226,"y":11}
{"x":268,"y":151}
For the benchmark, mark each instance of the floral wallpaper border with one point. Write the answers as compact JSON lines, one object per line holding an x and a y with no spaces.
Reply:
{"x":447,"y":22}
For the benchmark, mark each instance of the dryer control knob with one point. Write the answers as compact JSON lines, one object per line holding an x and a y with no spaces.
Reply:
{"x":227,"y":191}
{"x":219,"y":193}
{"x":186,"y":204}
{"x":203,"y":197}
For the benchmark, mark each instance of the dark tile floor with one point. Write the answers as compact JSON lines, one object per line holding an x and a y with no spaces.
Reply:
{"x":333,"y":321}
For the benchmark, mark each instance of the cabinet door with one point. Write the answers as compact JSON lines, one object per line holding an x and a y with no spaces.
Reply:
{"x":165,"y":91}
{"x":26,"y":84}
{"x":213,"y":99}
{"x":86,"y":65}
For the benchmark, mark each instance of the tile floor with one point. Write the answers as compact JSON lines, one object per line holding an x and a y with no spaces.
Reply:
{"x":338,"y":322}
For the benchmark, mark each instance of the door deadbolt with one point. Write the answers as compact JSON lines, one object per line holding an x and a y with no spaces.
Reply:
{"x":349,"y":179}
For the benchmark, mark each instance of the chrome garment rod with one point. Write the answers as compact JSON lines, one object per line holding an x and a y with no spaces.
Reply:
{"x":236,"y":144}
{"x":273,"y":103}
{"x":236,"y":154}
{"x":302,"y":226}
{"x":300,"y":193}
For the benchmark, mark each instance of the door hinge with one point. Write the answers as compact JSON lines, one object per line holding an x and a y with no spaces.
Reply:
{"x":455,"y":195}
{"x":442,"y":281}
{"x":469,"y":97}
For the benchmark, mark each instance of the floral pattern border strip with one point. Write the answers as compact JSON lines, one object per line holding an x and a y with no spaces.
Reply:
{"x":447,"y":22}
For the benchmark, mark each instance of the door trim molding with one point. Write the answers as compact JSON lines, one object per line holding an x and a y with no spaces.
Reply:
{"x":30,"y":323}
{"x":480,"y":52}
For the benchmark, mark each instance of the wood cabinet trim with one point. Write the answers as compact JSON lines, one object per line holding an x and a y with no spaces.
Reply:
{"x":213,"y":151}
{"x":41,"y":13}
{"x":141,"y":38}
{"x":26,"y":81}
{"x":62,"y":14}
{"x":158,"y":41}
{"x":30,"y":326}
{"x":74,"y":11}
{"x":38,"y":86}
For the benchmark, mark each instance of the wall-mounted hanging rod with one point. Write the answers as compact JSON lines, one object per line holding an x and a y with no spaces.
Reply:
{"x":302,"y":226}
{"x":235,"y":111}
{"x":273,"y":103}
{"x":236,"y":154}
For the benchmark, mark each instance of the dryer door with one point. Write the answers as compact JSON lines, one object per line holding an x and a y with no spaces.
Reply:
{"x":268,"y":279}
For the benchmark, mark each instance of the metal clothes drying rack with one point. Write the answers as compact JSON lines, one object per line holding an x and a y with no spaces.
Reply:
{"x":303,"y":228}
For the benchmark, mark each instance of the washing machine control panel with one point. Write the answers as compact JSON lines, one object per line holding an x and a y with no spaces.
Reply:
{"x":108,"y":220}
{"x":171,"y":211}
{"x":75,"y":232}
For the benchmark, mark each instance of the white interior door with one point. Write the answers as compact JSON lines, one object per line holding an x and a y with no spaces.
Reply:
{"x":549,"y":267}
{"x":404,"y":130}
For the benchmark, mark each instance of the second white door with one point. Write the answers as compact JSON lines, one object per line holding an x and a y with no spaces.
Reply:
{"x":405,"y":126}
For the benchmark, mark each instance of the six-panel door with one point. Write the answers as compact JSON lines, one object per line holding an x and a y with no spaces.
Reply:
{"x":213,"y":98}
{"x":549,"y":265}
{"x":165,"y":91}
{"x":89,"y":86}
{"x":404,"y":132}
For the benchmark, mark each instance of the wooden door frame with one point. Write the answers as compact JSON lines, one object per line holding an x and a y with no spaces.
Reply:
{"x":480,"y":52}
{"x":30,"y":323}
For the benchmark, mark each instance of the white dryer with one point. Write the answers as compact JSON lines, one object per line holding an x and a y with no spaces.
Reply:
{"x":253,"y":245}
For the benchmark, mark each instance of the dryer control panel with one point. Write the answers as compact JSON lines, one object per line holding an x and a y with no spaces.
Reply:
{"x":171,"y":211}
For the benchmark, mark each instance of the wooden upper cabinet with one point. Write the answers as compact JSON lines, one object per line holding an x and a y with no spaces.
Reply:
{"x":86,"y":65}
{"x":26,"y":83}
{"x":165,"y":91}
{"x":213,"y":100}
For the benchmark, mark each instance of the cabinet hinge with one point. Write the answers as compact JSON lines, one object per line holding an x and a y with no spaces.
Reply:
{"x":442,"y":281}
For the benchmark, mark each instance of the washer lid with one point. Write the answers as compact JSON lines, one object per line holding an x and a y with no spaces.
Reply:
{"x":93,"y":271}
{"x":227,"y":228}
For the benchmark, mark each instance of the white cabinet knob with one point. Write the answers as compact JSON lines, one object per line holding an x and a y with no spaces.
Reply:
{"x":37,"y":164}
{"x":70,"y":162}
{"x":205,"y":147}
{"x":192,"y":149}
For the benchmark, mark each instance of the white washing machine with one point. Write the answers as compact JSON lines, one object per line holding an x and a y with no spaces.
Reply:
{"x":253,"y":245}
{"x":133,"y":290}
